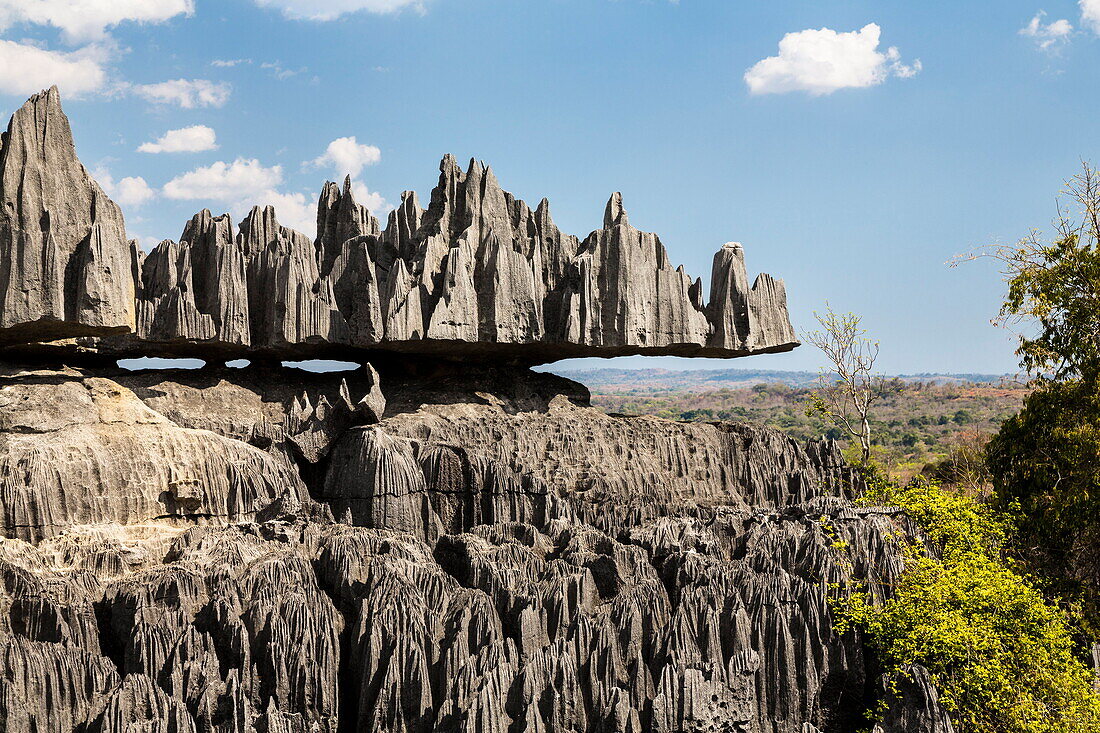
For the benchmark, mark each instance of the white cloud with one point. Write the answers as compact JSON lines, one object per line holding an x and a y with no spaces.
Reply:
{"x":187,"y":93}
{"x":83,"y":20}
{"x":192,"y":139}
{"x":374,"y":202}
{"x":332,"y":9}
{"x":347,"y":156}
{"x":281,"y":73}
{"x":27,"y":69}
{"x":225,"y":182}
{"x":900,"y":70}
{"x":245,"y":183}
{"x":294,"y":210}
{"x":242,"y":184}
{"x":1090,"y":14}
{"x":1048,"y":36}
{"x":823,"y":61}
{"x":229,"y":63}
{"x":130,"y":192}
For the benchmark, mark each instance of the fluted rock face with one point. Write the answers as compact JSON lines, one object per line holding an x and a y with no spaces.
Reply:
{"x":66,"y":268}
{"x":437,"y":550}
{"x":285,"y":307}
{"x":428,"y":489}
{"x":86,"y":450}
{"x":628,"y":294}
{"x":912,"y":703}
{"x":641,"y":464}
{"x":478,"y":274}
{"x":745,"y":317}
{"x":196,"y":290}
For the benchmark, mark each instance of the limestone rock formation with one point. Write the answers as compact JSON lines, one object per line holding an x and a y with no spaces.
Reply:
{"x":85,"y":451}
{"x":438,"y":540}
{"x":65,"y":264}
{"x":428,"y":551}
{"x":912,"y":703}
{"x":478,"y":274}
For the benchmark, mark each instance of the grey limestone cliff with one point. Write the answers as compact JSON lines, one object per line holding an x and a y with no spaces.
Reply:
{"x":438,"y":540}
{"x":275,"y":550}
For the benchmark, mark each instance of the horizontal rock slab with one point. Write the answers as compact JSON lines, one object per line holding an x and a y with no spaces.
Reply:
{"x":477,"y":275}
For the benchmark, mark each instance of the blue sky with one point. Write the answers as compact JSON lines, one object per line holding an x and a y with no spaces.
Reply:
{"x":852,"y":171}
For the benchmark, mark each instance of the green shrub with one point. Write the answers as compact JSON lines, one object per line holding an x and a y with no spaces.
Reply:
{"x":1001,"y":657}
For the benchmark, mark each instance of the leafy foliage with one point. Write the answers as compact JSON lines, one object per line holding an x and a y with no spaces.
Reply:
{"x":1046,"y":461}
{"x":999,"y":654}
{"x":964,"y":467}
{"x":1056,"y":286}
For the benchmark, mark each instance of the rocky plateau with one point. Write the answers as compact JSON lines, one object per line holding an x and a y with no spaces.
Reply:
{"x":438,"y":540}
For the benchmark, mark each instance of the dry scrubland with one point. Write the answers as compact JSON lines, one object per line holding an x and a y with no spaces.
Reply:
{"x":923,"y":422}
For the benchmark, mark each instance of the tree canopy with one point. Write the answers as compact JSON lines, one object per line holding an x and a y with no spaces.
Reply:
{"x":1054,"y":287}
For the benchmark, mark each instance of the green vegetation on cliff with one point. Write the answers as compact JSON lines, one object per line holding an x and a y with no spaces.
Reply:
{"x":1001,"y":656}
{"x":1046,"y":461}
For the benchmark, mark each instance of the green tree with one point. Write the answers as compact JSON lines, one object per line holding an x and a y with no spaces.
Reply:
{"x":962,"y":417}
{"x":1054,"y":286}
{"x":1046,"y":459}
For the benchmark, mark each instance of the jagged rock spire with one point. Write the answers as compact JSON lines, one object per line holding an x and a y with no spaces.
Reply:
{"x":340,"y":218}
{"x":614,"y":214}
{"x":479,"y":274}
{"x":66,"y":268}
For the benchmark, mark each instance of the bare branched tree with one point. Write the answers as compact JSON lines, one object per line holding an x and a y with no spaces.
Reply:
{"x":845,"y":393}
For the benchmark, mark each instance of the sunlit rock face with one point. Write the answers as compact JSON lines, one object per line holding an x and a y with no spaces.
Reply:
{"x":478,"y":274}
{"x":66,"y":268}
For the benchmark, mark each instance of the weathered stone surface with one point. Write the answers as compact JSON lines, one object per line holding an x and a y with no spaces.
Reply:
{"x":430,"y":546}
{"x":86,"y":450}
{"x":287,"y":300}
{"x":196,"y":290}
{"x":66,"y":268}
{"x":638,"y":464}
{"x":477,"y":275}
{"x":488,"y":573}
{"x":912,"y":704}
{"x":293,"y":415}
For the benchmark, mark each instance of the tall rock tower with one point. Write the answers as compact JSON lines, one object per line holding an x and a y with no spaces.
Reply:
{"x":66,"y":268}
